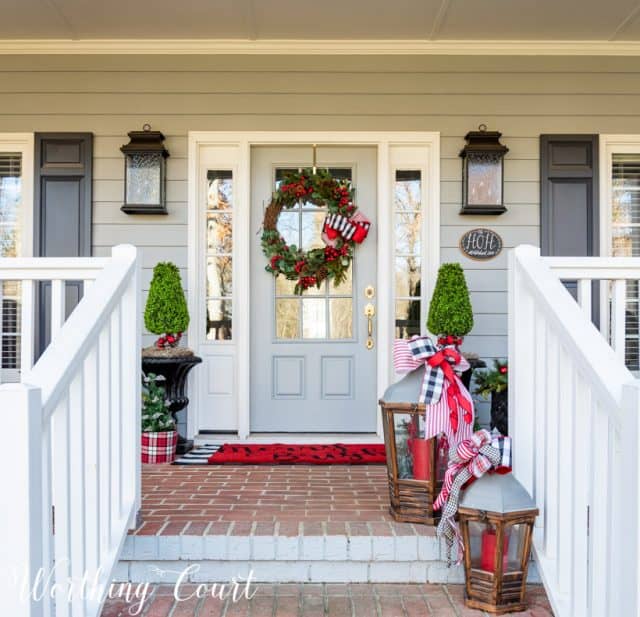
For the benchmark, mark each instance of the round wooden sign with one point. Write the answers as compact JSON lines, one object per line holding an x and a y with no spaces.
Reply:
{"x":481,"y":244}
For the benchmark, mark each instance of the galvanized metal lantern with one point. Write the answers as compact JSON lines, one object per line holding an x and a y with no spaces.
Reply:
{"x":145,"y":160}
{"x":496,"y":518}
{"x":483,"y":172}
{"x":415,"y":465}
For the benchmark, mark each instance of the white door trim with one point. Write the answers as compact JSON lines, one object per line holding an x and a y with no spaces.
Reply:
{"x":241,"y":143}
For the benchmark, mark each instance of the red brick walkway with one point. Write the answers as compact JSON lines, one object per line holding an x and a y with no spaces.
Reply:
{"x":363,"y":600}
{"x":174,"y":496}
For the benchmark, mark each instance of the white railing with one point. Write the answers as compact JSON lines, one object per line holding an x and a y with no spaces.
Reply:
{"x":613,"y":302}
{"x":573,"y":415}
{"x":72,"y":480}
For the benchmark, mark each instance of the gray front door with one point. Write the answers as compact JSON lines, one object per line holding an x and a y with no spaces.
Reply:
{"x":310,"y":368}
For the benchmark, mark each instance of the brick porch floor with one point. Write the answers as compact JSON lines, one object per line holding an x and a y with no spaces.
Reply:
{"x":308,"y":600}
{"x":207,"y":499}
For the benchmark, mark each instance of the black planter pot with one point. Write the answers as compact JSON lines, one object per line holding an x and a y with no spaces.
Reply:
{"x":175,"y":371}
{"x":474,"y":364}
{"x":500,"y":411}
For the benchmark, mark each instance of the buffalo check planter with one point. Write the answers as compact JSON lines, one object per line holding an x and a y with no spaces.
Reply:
{"x":159,"y":447}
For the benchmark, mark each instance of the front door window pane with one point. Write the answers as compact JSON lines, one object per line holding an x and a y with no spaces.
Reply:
{"x":324,"y":313}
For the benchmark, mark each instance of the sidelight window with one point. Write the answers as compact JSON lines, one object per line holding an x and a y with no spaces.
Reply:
{"x":219,"y":261}
{"x":407,"y":224}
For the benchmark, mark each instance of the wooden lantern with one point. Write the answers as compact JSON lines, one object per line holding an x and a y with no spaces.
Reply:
{"x":415,"y":465}
{"x":496,"y":518}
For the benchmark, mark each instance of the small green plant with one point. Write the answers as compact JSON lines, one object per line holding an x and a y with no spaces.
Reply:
{"x":156,"y":416}
{"x":495,"y":380}
{"x":166,"y":311}
{"x":450,"y":312}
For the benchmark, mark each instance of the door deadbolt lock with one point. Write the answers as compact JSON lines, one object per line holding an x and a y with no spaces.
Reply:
{"x":369,"y":312}
{"x":369,"y":292}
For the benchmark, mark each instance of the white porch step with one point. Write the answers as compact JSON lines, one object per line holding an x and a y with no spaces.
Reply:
{"x":280,"y":559}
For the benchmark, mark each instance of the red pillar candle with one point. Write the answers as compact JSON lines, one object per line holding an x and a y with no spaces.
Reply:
{"x":421,"y":453}
{"x":487,"y":558}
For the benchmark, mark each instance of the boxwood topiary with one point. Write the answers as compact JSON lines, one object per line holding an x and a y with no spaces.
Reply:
{"x":450,"y":311}
{"x":166,"y":310}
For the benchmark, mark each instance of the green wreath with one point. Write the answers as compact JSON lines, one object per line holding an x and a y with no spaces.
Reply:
{"x":311,"y":268}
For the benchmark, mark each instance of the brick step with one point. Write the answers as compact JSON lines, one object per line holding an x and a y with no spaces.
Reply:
{"x":413,"y":555}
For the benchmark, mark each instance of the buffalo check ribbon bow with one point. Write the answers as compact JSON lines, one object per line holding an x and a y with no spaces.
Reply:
{"x":439,"y":362}
{"x":470,"y":459}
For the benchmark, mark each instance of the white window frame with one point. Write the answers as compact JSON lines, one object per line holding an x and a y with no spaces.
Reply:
{"x":24,"y":144}
{"x":394,"y":150}
{"x":608,"y":146}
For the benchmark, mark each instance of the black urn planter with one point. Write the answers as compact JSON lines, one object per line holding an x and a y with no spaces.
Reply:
{"x":474,"y":363}
{"x":175,"y":371}
{"x":500,"y":411}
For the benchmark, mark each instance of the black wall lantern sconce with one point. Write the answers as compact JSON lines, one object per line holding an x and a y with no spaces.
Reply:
{"x":145,"y":172}
{"x":483,"y":172}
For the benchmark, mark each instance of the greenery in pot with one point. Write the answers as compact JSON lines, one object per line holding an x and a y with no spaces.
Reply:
{"x":490,"y":381}
{"x":494,"y":383}
{"x":166,"y":312}
{"x":156,"y":417}
{"x":450,"y":312}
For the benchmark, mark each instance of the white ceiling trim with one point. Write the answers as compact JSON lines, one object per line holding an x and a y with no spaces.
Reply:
{"x":319,"y":47}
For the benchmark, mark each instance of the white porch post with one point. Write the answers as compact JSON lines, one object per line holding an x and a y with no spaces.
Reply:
{"x":21,"y":529}
{"x":130,"y":347}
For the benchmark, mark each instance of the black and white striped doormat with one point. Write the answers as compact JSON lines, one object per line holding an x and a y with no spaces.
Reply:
{"x":199,"y":455}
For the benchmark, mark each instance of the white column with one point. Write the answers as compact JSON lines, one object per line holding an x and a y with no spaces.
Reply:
{"x":21,"y":533}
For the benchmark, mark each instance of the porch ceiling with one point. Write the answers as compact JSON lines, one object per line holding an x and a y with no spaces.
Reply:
{"x":435,"y":20}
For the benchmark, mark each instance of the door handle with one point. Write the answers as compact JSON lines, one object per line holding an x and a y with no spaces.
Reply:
{"x":369,"y":312}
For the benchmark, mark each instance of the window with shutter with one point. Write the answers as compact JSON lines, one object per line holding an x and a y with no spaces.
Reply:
{"x":625,"y":239}
{"x":11,"y":231}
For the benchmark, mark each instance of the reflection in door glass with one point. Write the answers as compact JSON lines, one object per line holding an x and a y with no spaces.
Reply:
{"x":219,"y":262}
{"x":287,"y":318}
{"x":314,"y":318}
{"x":322,"y":313}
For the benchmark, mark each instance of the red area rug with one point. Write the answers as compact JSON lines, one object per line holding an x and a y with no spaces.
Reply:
{"x":290,"y":454}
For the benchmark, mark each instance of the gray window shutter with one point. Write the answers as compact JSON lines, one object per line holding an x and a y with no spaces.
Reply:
{"x":569,"y":195}
{"x":62,"y":211}
{"x":569,"y":213}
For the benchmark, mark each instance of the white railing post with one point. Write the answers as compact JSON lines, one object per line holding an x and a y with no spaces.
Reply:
{"x":130,"y":349}
{"x":625,"y":510}
{"x":521,"y":369}
{"x":21,"y":533}
{"x":27,"y":326}
{"x":618,"y":313}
